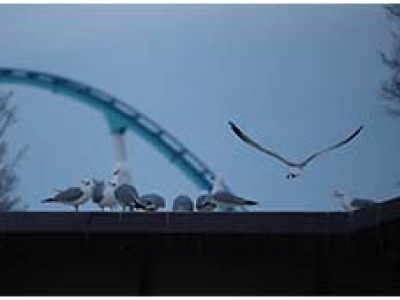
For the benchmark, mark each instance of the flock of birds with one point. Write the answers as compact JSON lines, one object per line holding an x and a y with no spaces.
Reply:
{"x":119,"y":192}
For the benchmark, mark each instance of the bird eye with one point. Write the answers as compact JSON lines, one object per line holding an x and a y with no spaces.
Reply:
{"x":116,"y":172}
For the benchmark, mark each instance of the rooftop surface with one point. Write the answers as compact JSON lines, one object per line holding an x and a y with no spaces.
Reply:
{"x":201,"y":222}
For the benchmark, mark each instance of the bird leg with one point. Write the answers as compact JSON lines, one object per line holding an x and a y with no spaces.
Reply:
{"x":76,"y":208}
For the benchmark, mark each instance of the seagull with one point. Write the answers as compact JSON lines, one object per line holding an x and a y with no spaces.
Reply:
{"x":101,"y":197}
{"x":74,"y":196}
{"x":223,"y":198}
{"x":203,"y":203}
{"x":352,"y":204}
{"x":126,"y":195}
{"x":121,"y":173}
{"x":295,"y":168}
{"x":153,"y":201}
{"x":183,"y":203}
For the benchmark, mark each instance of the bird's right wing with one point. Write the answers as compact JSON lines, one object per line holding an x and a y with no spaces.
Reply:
{"x":245,"y":138}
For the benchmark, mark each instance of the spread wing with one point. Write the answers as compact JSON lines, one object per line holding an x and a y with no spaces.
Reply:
{"x":245,"y":138}
{"x":340,"y":144}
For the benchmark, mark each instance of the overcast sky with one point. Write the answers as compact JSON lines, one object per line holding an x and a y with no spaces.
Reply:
{"x":295,"y":77}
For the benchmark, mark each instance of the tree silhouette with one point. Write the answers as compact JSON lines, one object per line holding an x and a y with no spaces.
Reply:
{"x":8,"y":176}
{"x":391,"y":87}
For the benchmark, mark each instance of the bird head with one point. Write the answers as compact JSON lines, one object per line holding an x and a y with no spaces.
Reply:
{"x":294,"y":172}
{"x":88,"y":182}
{"x":218,"y":183}
{"x":112,"y":183}
{"x":121,"y":173}
{"x":88,"y":185}
{"x":338,"y":194}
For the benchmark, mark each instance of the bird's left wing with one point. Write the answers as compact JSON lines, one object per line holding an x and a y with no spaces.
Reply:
{"x":348,"y":139}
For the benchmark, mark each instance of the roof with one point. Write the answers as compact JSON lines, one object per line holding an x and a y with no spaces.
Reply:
{"x":201,"y":222}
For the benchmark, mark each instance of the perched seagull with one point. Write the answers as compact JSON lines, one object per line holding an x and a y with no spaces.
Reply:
{"x":121,"y":174}
{"x":224,"y":199}
{"x":204,"y":204}
{"x":295,"y":168}
{"x":101,"y":197}
{"x":153,"y":201}
{"x":126,"y":195}
{"x":183,"y":203}
{"x":352,"y":204}
{"x":74,"y":196}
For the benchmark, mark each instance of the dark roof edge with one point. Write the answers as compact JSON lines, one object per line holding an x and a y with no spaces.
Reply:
{"x":202,"y":222}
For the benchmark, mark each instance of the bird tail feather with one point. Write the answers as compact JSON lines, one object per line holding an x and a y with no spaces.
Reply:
{"x":49,"y":200}
{"x":251,"y":202}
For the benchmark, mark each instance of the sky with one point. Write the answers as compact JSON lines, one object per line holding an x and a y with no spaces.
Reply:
{"x":296,"y":78}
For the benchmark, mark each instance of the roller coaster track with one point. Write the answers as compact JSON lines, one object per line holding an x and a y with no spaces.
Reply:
{"x":119,"y":116}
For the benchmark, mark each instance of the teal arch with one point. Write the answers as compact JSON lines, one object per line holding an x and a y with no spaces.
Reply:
{"x":119,"y":116}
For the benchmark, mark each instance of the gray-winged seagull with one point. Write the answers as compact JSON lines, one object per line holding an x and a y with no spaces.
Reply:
{"x":74,"y":196}
{"x":223,"y":198}
{"x":295,"y":168}
{"x":153,"y":201}
{"x":127,"y":196}
{"x":203,"y":203}
{"x":101,"y":197}
{"x":182,"y":203}
{"x":352,"y":204}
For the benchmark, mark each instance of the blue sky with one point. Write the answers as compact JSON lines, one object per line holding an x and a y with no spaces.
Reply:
{"x":295,"y":77}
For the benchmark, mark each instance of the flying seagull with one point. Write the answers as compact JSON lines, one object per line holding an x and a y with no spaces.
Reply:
{"x":295,"y":168}
{"x":74,"y":196}
{"x":101,"y":197}
{"x":352,"y":204}
{"x":183,"y":203}
{"x":223,"y":198}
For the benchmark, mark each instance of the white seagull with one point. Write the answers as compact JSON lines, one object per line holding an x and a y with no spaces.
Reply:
{"x":352,"y":204}
{"x":74,"y":196}
{"x":101,"y":197}
{"x":121,"y":174}
{"x":223,"y":198}
{"x":295,"y":168}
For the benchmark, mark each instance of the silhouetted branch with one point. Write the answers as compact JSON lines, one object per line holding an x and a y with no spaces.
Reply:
{"x":8,"y":176}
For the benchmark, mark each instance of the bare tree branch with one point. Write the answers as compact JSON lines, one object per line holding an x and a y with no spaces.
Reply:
{"x":391,"y":87}
{"x":8,"y":176}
